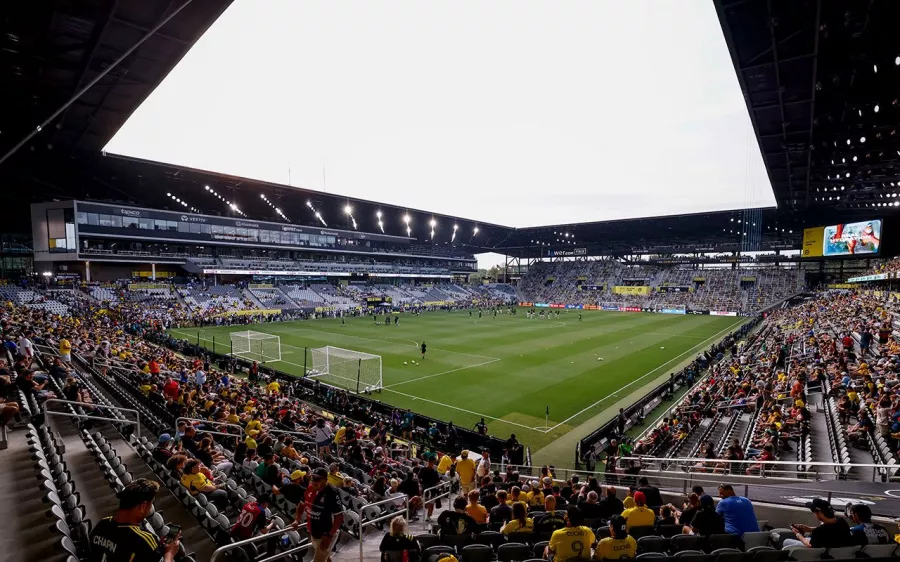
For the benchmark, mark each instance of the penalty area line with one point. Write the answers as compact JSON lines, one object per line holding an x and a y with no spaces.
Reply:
{"x":436,"y":403}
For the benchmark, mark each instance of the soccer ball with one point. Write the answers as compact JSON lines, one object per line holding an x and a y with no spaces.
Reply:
{"x":405,"y":363}
{"x":599,"y":359}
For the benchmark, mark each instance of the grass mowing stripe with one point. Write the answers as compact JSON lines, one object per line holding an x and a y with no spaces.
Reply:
{"x":670,"y":361}
{"x":507,"y":369}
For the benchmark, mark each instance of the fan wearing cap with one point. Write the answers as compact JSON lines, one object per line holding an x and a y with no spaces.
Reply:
{"x":465,"y":467}
{"x":640,"y":515}
{"x":832,"y":532}
{"x":619,"y":544}
{"x":324,"y":514}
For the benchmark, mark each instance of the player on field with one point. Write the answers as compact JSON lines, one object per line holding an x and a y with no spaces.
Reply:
{"x":579,"y":317}
{"x":396,"y":320}
{"x":343,"y":322}
{"x":423,"y":350}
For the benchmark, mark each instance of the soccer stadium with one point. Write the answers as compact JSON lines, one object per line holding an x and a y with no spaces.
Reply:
{"x":450,"y":281}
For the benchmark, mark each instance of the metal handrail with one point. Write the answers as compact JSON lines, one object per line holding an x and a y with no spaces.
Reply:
{"x":217,"y":424}
{"x":448,"y":484}
{"x":303,"y":545}
{"x":363,"y":525}
{"x":48,"y":412}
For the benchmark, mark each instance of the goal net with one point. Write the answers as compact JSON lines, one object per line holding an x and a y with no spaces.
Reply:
{"x":353,"y":370}
{"x":256,"y":346}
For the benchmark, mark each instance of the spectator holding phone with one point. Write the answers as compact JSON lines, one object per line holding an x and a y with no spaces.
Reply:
{"x":120,"y":538}
{"x":832,"y":532}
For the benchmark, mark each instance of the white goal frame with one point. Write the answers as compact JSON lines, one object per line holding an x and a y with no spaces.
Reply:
{"x":256,"y":346}
{"x":346,"y":368}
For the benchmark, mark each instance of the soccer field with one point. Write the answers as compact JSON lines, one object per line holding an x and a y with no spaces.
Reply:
{"x":508,"y":369}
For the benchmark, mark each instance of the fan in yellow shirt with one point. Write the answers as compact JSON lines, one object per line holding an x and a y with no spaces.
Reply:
{"x":573,"y":541}
{"x":639,"y":515}
{"x":273,"y":387}
{"x":520,"y":522}
{"x":444,"y":465}
{"x":618,"y":545}
{"x":465,"y":467}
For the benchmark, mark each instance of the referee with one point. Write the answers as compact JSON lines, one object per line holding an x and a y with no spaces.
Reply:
{"x":121,"y":538}
{"x":423,"y":350}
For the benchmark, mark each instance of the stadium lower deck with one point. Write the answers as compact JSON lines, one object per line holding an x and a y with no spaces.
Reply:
{"x":539,"y":377}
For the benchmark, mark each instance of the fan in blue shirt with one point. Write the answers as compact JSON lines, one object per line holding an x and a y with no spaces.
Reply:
{"x":737,"y":512}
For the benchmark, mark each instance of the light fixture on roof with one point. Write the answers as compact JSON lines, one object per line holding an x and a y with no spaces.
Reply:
{"x":876,"y":108}
{"x":897,"y":61}
{"x":433,"y":223}
{"x":475,"y":231}
{"x":848,"y":142}
{"x":875,"y":68}
{"x":406,"y":219}
{"x":862,"y":139}
{"x":207,"y":188}
{"x":854,"y":158}
{"x":348,"y":209}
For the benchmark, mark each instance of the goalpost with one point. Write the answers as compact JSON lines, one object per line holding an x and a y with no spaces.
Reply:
{"x":256,"y":346}
{"x":353,"y":370}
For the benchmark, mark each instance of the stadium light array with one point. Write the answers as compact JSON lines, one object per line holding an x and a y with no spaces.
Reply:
{"x":315,"y":212}
{"x":182,"y":203}
{"x":380,"y":223}
{"x":349,"y":211}
{"x":453,"y":236}
{"x":270,"y":204}
{"x":229,"y":204}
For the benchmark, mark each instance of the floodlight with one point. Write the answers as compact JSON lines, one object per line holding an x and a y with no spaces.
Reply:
{"x":378,"y":214}
{"x":348,"y":209}
{"x":875,"y":68}
{"x":433,"y":223}
{"x":475,"y":231}
{"x":309,"y":203}
{"x":862,"y":139}
{"x":206,"y":187}
{"x":897,"y":61}
{"x":455,"y":227}
{"x":876,"y":108}
{"x":168,"y":194}
{"x":261,"y":196}
{"x":406,"y":219}
{"x":854,"y":158}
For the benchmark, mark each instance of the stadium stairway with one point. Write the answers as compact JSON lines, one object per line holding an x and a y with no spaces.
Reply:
{"x":25,"y":537}
{"x":285,"y":296}
{"x":194,"y":537}
{"x":248,"y":294}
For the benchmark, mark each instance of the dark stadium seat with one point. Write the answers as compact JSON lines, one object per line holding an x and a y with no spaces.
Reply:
{"x":653,"y":544}
{"x":510,"y":552}
{"x":477,"y":553}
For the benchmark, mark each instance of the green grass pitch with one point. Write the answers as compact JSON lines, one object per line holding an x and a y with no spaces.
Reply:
{"x":507,"y":369}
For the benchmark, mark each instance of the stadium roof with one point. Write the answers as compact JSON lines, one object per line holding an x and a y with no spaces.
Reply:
{"x":821,"y":83}
{"x":799,"y":84}
{"x":52,"y":48}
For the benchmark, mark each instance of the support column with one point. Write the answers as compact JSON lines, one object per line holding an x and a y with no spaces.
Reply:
{"x":87,"y":271}
{"x":153,"y":271}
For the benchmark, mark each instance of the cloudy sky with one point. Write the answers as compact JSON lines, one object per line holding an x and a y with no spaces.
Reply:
{"x":518,"y":112}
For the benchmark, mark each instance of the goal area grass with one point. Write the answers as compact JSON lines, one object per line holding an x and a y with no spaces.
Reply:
{"x":508,"y":369}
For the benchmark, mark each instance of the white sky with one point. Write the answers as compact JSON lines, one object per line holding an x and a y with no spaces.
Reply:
{"x":517,"y":112}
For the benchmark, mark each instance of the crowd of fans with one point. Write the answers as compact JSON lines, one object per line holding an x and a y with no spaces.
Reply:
{"x":329,"y":466}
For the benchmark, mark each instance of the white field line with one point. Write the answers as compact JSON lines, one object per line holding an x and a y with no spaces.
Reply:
{"x":441,"y":373}
{"x":614,"y":394}
{"x":485,"y":416}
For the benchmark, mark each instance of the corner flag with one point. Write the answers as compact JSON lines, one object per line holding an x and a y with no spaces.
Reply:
{"x":548,"y":410}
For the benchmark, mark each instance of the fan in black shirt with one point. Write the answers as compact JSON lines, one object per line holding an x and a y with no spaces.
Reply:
{"x":707,"y":522}
{"x":399,"y":540}
{"x":120,"y":538}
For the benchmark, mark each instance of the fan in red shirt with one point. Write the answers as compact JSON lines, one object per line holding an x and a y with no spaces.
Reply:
{"x":170,"y":389}
{"x":254,"y":516}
